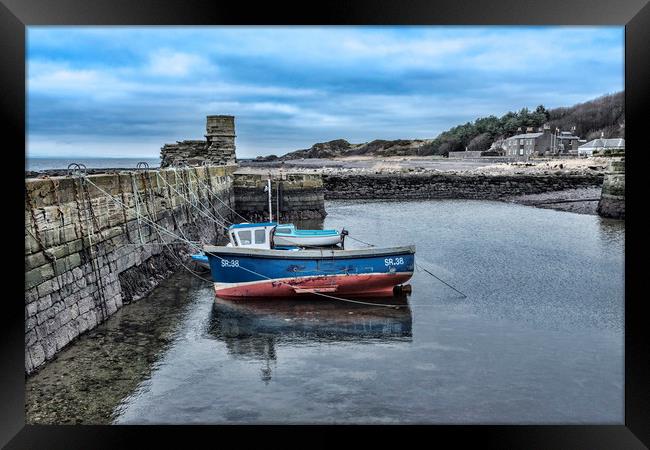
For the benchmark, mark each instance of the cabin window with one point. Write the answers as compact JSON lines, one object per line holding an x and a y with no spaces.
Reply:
{"x":283,"y":230}
{"x":244,"y":237}
{"x":260,"y":236}
{"x":232,"y":237}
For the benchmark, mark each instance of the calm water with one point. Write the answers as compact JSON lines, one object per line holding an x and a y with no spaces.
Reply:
{"x":91,"y":163}
{"x":539,"y":338}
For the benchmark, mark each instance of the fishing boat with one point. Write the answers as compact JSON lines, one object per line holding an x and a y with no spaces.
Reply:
{"x":289,"y":235}
{"x":250,"y":267}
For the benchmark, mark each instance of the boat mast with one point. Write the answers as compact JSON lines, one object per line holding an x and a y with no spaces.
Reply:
{"x":270,"y":192}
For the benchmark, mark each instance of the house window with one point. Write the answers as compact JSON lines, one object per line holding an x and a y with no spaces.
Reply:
{"x":244,"y":237}
{"x":260,"y":236}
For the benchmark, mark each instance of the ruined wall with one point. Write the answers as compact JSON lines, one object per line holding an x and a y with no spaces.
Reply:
{"x":190,"y":152}
{"x":217,"y":149}
{"x":419,"y":186}
{"x":86,"y":256}
{"x":612,"y":199}
{"x":301,"y":196}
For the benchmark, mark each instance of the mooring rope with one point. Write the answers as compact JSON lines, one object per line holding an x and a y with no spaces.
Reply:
{"x":417,"y":265}
{"x":209,"y":191}
{"x":215,"y":195}
{"x":192,"y":244}
{"x":210,"y":216}
{"x":442,"y":281}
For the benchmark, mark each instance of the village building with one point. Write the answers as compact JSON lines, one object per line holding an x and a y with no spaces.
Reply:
{"x":526,"y":144}
{"x":566,"y":143}
{"x":540,"y":142}
{"x":600,"y":144}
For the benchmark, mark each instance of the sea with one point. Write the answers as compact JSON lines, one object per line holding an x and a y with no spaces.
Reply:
{"x":37,"y":164}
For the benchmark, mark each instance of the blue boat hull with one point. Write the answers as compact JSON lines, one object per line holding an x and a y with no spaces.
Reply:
{"x":255,"y":273}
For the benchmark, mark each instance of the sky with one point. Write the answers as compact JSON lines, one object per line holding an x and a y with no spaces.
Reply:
{"x":126,"y":91}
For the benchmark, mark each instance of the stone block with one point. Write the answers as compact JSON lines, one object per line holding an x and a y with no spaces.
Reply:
{"x":30,"y":338}
{"x":51,"y":325}
{"x":29,"y":365}
{"x":74,"y":311}
{"x":35,"y":260}
{"x":44,"y":303}
{"x":85,"y":304}
{"x":49,"y":346}
{"x":30,"y":323}
{"x":31,"y":295}
{"x":31,"y":308}
{"x":37,"y":354}
{"x":37,"y":276}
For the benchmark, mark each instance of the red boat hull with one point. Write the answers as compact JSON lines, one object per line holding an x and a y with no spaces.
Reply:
{"x":366,"y":285}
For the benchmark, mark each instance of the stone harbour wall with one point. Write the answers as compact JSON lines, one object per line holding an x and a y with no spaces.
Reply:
{"x":612,"y":199}
{"x":86,"y":256}
{"x":440,"y":186}
{"x":299,"y":196}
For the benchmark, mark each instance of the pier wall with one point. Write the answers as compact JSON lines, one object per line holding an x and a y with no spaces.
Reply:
{"x":441,"y":186}
{"x":86,"y":256}
{"x":612,"y":200}
{"x":298,"y":196}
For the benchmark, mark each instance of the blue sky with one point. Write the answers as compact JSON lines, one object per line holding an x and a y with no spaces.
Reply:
{"x":125,"y":91}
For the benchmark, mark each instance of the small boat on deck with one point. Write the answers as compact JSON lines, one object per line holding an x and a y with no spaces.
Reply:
{"x":201,"y":260}
{"x":251,"y":267}
{"x":289,"y":235}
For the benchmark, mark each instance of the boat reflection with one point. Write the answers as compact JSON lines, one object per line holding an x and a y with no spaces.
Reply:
{"x":253,"y":329}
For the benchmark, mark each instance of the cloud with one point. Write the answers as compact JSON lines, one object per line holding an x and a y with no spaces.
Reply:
{"x":169,"y":63}
{"x":292,"y":87}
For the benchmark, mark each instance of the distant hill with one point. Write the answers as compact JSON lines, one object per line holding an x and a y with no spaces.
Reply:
{"x":604,"y":115}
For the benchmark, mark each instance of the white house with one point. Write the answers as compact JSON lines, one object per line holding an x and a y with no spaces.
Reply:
{"x":601,"y":144}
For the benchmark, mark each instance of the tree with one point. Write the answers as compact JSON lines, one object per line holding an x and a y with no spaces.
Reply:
{"x":480,"y":143}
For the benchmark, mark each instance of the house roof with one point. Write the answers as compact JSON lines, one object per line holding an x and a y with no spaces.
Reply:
{"x":603,"y":143}
{"x":525,"y":135}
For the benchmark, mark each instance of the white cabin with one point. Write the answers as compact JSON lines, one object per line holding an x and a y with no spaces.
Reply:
{"x":251,"y":235}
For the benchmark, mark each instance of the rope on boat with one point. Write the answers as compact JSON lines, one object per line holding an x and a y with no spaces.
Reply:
{"x":359,"y":240}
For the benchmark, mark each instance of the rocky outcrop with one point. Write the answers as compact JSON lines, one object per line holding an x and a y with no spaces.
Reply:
{"x":341,"y":148}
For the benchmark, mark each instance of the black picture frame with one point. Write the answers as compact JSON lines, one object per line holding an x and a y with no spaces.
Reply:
{"x":16,"y":15}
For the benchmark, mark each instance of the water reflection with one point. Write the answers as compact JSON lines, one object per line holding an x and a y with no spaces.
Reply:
{"x":253,"y":329}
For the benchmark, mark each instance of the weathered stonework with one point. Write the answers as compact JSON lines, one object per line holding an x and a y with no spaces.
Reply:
{"x":612,"y":199}
{"x":438,"y":186}
{"x":86,"y":255}
{"x":217,"y":149}
{"x":299,"y":196}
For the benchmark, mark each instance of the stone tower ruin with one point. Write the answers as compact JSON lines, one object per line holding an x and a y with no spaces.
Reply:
{"x":217,"y":149}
